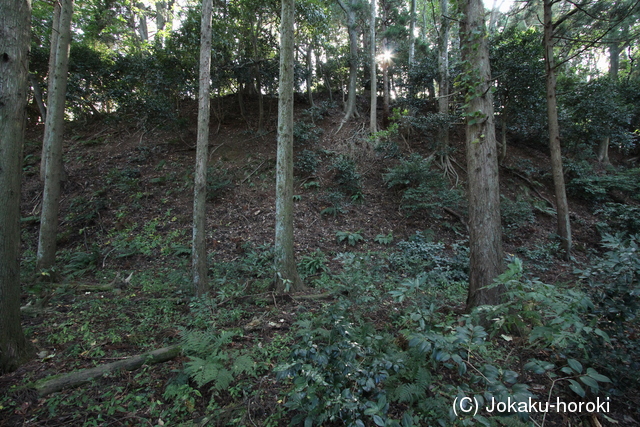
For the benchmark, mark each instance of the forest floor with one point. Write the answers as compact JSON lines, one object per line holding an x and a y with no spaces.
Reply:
{"x":125,"y":224}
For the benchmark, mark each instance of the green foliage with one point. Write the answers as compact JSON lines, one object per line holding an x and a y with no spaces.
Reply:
{"x":305,"y":133}
{"x":348,"y":237}
{"x":213,"y":361}
{"x":384,"y":239}
{"x":542,"y":313}
{"x":346,"y":178}
{"x":81,"y":263}
{"x":516,"y":57}
{"x":307,"y":162}
{"x":421,"y":255}
{"x":337,"y":372}
{"x":584,"y":182}
{"x":219,"y":181}
{"x":83,"y":212}
{"x":614,"y":278}
{"x":422,"y":189}
{"x":619,"y":217}
{"x":594,"y":110}
{"x":515,"y":214}
{"x":314,"y":263}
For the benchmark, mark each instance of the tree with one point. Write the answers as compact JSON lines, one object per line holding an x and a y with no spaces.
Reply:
{"x":15,"y":17}
{"x":55,"y":29}
{"x":485,"y":240}
{"x":562,"y":206}
{"x":199,"y":251}
{"x":287,"y":278}
{"x":373,"y":120}
{"x":54,"y":129}
{"x":350,"y":10}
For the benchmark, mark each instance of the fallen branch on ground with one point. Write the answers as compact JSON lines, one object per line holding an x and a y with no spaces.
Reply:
{"x":75,"y":378}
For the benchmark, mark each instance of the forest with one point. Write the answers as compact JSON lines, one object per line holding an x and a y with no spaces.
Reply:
{"x":320,"y":213}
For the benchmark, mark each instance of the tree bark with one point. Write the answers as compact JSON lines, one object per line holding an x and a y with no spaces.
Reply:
{"x":412,"y":36}
{"x":199,"y":251}
{"x":485,"y":231}
{"x":54,"y":130}
{"x":373,"y":119}
{"x":287,"y":278}
{"x":55,"y":30}
{"x":15,"y":25}
{"x":310,"y":73}
{"x":352,"y":29}
{"x":73,"y":379}
{"x":386,"y":98}
{"x":443,"y":65}
{"x":562,"y":207}
{"x":37,"y":95}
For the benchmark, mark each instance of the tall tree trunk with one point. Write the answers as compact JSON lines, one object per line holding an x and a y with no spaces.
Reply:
{"x":352,"y":29}
{"x":485,"y":240}
{"x":199,"y":250}
{"x":55,"y":30}
{"x":614,"y":60}
{"x":443,"y":65}
{"x":15,"y":25}
{"x":287,"y":278}
{"x":142,"y":24}
{"x":386,"y":97}
{"x":373,"y":118}
{"x":37,"y":95}
{"x":310,"y":73}
{"x":412,"y":35}
{"x":562,"y":207}
{"x":54,"y":129}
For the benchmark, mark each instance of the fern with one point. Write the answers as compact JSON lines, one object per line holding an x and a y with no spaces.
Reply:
{"x":212,"y":361}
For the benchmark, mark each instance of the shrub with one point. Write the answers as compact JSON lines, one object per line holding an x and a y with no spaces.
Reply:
{"x":305,"y":133}
{"x":337,"y":373}
{"x":346,"y":177}
{"x":307,"y":162}
{"x":515,"y":213}
{"x":421,"y":255}
{"x":422,"y":189}
{"x":219,"y":181}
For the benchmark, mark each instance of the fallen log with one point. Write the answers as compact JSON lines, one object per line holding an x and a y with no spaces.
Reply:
{"x":73,"y":379}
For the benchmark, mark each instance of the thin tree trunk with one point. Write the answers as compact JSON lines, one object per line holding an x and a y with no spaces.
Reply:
{"x":55,"y":125}
{"x":287,"y":278}
{"x":350,"y":110}
{"x":614,"y":60}
{"x":15,"y":25}
{"x":562,"y":206}
{"x":55,"y":30}
{"x":386,"y":98}
{"x":310,"y":73}
{"x":373,"y":119}
{"x":412,"y":35}
{"x":443,"y":65}
{"x":37,"y":95}
{"x":485,"y":231}
{"x":199,"y":251}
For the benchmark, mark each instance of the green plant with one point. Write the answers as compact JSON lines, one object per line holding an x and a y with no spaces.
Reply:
{"x":421,"y":255}
{"x":542,"y":313}
{"x":348,"y":237}
{"x":619,"y":217}
{"x":307,"y":162}
{"x":81,"y":263}
{"x":305,"y":133}
{"x":219,"y":181}
{"x":314,"y":263}
{"x":337,"y":373}
{"x":384,"y":239}
{"x":345,"y":175}
{"x":421,"y":188}
{"x":515,"y":214}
